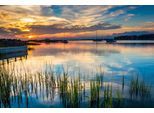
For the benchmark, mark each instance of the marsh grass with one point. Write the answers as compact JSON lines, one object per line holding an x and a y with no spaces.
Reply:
{"x":123,"y":82}
{"x":119,"y":98}
{"x":18,"y":89}
{"x":139,"y":89}
{"x":72,"y":91}
{"x":62,"y":83}
{"x":107,"y":96}
{"x":5,"y":88}
{"x":95,"y":86}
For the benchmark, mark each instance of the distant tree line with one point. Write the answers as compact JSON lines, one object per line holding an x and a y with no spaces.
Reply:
{"x":135,"y":37}
{"x":11,"y":42}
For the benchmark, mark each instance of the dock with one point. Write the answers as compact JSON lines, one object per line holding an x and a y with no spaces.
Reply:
{"x":7,"y":50}
{"x":8,"y":54}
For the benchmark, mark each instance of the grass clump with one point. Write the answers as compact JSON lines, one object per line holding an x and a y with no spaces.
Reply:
{"x":139,"y":89}
{"x":107,"y":96}
{"x":119,"y":98}
{"x":95,"y":92}
{"x":5,"y":87}
{"x":70,"y":91}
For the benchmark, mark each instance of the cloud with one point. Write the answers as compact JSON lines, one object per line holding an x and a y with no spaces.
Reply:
{"x":10,"y":31}
{"x":7,"y":33}
{"x":49,"y":20}
{"x":56,"y":28}
{"x":22,"y":9}
{"x":3,"y":31}
{"x":116,"y":13}
{"x":132,"y":33}
{"x":149,"y":24}
{"x":128,"y":17}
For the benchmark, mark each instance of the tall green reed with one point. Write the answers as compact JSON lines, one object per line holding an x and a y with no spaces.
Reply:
{"x":139,"y":89}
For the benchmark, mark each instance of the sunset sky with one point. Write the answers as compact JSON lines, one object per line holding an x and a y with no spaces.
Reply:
{"x":38,"y":22}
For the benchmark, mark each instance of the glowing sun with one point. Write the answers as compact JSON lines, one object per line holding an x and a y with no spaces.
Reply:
{"x":27,"y":20}
{"x":30,"y":37}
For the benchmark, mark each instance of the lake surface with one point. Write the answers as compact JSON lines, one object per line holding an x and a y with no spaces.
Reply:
{"x":117,"y":64}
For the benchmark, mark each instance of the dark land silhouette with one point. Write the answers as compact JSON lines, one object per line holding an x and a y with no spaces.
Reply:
{"x":18,"y":42}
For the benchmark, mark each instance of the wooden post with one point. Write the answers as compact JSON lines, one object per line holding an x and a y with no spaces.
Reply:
{"x":7,"y":60}
{"x":3,"y":62}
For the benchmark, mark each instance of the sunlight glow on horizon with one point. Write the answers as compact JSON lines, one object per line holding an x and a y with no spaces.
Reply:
{"x":30,"y":37}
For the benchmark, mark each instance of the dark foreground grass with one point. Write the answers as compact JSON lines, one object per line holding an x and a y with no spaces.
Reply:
{"x":16,"y":89}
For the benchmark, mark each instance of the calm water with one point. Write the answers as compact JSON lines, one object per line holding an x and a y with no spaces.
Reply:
{"x":87,"y":59}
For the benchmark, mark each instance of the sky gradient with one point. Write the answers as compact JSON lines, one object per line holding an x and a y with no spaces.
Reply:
{"x":39,"y":22}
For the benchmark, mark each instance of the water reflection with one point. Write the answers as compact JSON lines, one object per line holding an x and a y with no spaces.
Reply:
{"x":80,"y":75}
